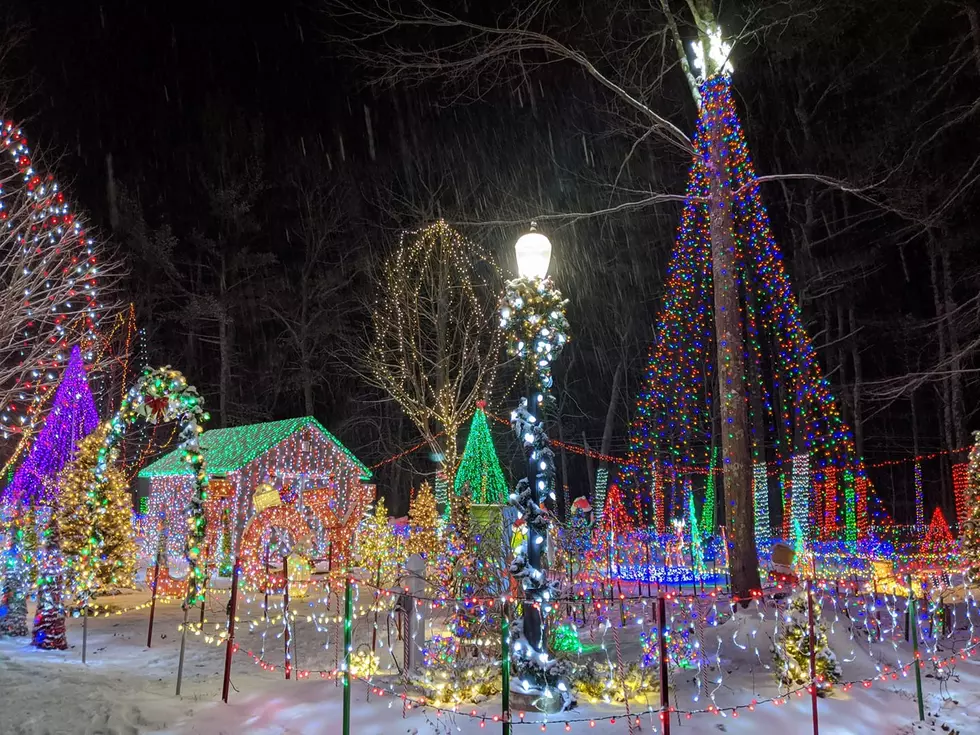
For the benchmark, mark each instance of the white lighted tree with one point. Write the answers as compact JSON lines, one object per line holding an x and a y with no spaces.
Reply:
{"x":436,"y":339}
{"x":50,"y":278}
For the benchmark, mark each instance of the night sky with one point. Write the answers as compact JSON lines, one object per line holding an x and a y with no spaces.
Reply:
{"x":131,"y":79}
{"x":160,"y":87}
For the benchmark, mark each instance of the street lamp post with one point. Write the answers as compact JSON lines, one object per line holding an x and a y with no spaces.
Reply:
{"x":533,"y":317}
{"x":533,"y":258}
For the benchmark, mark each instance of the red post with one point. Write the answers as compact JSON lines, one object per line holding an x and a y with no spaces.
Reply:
{"x":813,"y":656}
{"x":664,"y":662}
{"x":230,"y":647}
{"x":265,"y":600}
{"x":285,"y":613}
{"x":153,"y":601}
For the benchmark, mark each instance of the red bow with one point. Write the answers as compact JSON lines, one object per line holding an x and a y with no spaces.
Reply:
{"x":158,"y":406}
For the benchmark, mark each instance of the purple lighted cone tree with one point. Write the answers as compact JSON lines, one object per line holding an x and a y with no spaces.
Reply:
{"x":72,"y":418}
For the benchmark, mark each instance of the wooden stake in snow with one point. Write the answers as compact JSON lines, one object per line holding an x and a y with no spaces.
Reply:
{"x":84,"y":632}
{"x":153,"y":598}
{"x":183,"y":646}
{"x":230,"y":647}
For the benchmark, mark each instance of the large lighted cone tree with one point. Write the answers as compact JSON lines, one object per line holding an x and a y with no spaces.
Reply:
{"x":730,"y":334}
{"x":970,"y":529}
{"x":95,"y":522}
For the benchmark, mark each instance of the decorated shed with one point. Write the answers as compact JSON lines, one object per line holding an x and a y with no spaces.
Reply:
{"x":297,"y":457}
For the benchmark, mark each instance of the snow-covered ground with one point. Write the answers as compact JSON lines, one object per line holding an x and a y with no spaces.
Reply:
{"x":127,"y":688}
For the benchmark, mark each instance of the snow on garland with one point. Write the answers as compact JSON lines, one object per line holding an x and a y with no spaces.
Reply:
{"x":537,"y":673}
{"x":532,"y":312}
{"x":159,"y":396}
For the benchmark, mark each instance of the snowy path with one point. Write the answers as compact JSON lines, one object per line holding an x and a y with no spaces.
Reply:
{"x":126,"y":688}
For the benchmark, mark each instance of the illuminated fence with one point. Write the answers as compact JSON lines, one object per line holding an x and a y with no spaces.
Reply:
{"x":440,"y":652}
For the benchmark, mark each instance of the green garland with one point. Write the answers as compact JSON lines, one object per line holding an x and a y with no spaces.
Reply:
{"x":159,"y":396}
{"x":532,"y":315}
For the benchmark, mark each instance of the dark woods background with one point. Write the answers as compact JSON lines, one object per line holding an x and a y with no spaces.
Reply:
{"x":252,"y":180}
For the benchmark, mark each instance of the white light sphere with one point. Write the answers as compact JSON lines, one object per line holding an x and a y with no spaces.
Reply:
{"x":533,"y":255}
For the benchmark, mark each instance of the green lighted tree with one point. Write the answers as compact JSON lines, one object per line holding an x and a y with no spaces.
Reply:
{"x":480,"y":466}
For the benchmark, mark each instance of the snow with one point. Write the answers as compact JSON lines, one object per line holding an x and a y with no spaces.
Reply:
{"x":126,"y":688}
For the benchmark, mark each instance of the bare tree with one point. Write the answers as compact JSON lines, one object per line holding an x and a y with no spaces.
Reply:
{"x":474,"y":46}
{"x":436,"y":340}
{"x":12,"y":37}
{"x":307,"y":298}
{"x":56,"y":287}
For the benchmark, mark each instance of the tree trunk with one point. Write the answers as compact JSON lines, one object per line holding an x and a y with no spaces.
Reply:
{"x":442,"y":377}
{"x":941,"y":332}
{"x":589,"y":468}
{"x":955,"y":365}
{"x":915,"y":453}
{"x":306,"y":343}
{"x":736,"y":454}
{"x":224,"y":346}
{"x":566,"y":491}
{"x":307,"y":378}
{"x":842,"y":366}
{"x":856,"y":393}
{"x":607,"y":431}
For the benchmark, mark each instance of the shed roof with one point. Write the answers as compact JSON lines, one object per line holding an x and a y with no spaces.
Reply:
{"x":229,"y":450}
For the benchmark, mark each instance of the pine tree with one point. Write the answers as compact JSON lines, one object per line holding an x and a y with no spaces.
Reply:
{"x":970,"y":531}
{"x":49,"y":619}
{"x":423,"y":520}
{"x":480,"y":466}
{"x":72,"y":417}
{"x":791,"y":647}
{"x":15,"y":568}
{"x":95,"y":522}
{"x":376,"y":546}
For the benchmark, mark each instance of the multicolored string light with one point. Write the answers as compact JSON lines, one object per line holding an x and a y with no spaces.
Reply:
{"x":51,"y":261}
{"x":673,"y":424}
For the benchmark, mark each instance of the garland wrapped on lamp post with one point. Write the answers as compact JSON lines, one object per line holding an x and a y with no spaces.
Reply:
{"x":532,"y":316}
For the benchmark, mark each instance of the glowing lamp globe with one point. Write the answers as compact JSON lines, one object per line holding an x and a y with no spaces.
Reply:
{"x":533,"y":255}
